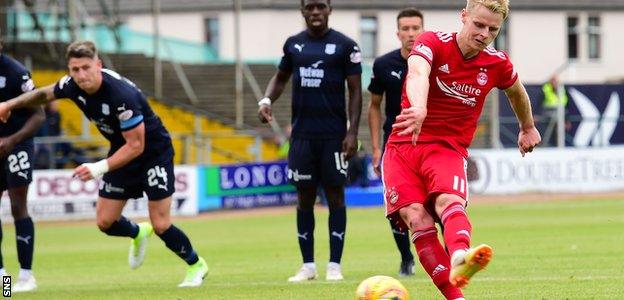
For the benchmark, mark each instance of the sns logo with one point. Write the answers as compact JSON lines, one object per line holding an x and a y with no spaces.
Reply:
{"x":6,"y":286}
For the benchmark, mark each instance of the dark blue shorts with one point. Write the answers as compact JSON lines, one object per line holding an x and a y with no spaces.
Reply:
{"x":152,"y":173}
{"x":17,"y":167}
{"x":314,"y":162}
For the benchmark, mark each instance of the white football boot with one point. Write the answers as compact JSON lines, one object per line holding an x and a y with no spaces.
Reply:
{"x":333,"y":272}
{"x":307,"y":272}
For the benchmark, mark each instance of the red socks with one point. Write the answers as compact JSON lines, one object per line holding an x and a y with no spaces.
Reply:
{"x":435,"y":261}
{"x":457,"y":228}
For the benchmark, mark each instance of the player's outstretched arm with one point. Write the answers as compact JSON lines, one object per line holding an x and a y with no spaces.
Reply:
{"x":374,"y":125}
{"x":354,"y":84}
{"x":29,"y":129}
{"x":417,"y":88}
{"x":274,"y":89}
{"x":29,"y":99}
{"x":134,"y":146}
{"x":528,"y":137}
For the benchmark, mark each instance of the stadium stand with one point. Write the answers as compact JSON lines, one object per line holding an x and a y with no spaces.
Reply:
{"x":226,"y":144}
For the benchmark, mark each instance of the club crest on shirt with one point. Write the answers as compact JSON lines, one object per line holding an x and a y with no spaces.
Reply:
{"x":2,"y":82}
{"x":330,"y":49}
{"x":392,"y":195}
{"x":105,"y":109}
{"x":482,"y":78}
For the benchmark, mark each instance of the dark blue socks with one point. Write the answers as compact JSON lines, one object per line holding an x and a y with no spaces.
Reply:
{"x":179,"y":243}
{"x":337,"y":226}
{"x":123,"y":227}
{"x":305,"y":232}
{"x":25,"y":240}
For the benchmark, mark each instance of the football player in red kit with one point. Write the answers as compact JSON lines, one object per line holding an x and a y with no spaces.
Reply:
{"x":424,"y":163}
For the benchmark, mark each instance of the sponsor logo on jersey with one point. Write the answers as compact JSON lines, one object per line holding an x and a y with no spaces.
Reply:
{"x":355,"y":57}
{"x":425,"y":50}
{"x":444,"y":68}
{"x":83,"y":100}
{"x":460,"y":91}
{"x":28,"y":85}
{"x":105,"y":109}
{"x":312,"y":76}
{"x":339,"y":235}
{"x":330,"y":49}
{"x":294,"y":175}
{"x":439,"y":269}
{"x":2,"y":82}
{"x":125,"y":116}
{"x":109,"y":188}
{"x":396,"y":74}
{"x":102,"y":126}
{"x":64,"y":81}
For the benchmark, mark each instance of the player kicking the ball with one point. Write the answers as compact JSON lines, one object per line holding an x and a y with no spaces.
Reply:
{"x":423,"y":168}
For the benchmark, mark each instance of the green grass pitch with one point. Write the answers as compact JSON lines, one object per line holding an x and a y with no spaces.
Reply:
{"x":548,"y":250}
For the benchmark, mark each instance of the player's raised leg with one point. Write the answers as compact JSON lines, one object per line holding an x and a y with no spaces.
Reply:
{"x":431,"y":254}
{"x":465,"y":262}
{"x":177,"y":241}
{"x":404,"y":195}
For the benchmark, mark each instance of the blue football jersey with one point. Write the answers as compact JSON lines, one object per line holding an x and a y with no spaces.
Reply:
{"x":319,"y":68}
{"x":389,"y":71}
{"x":14,"y":80}
{"x":116,"y":107}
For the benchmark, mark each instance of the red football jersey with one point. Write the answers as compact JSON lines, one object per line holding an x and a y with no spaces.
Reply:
{"x":457,"y":89}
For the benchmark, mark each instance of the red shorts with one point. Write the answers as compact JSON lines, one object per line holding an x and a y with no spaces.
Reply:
{"x":417,"y":174}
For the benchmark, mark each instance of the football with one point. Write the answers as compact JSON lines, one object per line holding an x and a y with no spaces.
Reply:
{"x":381,"y":287}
